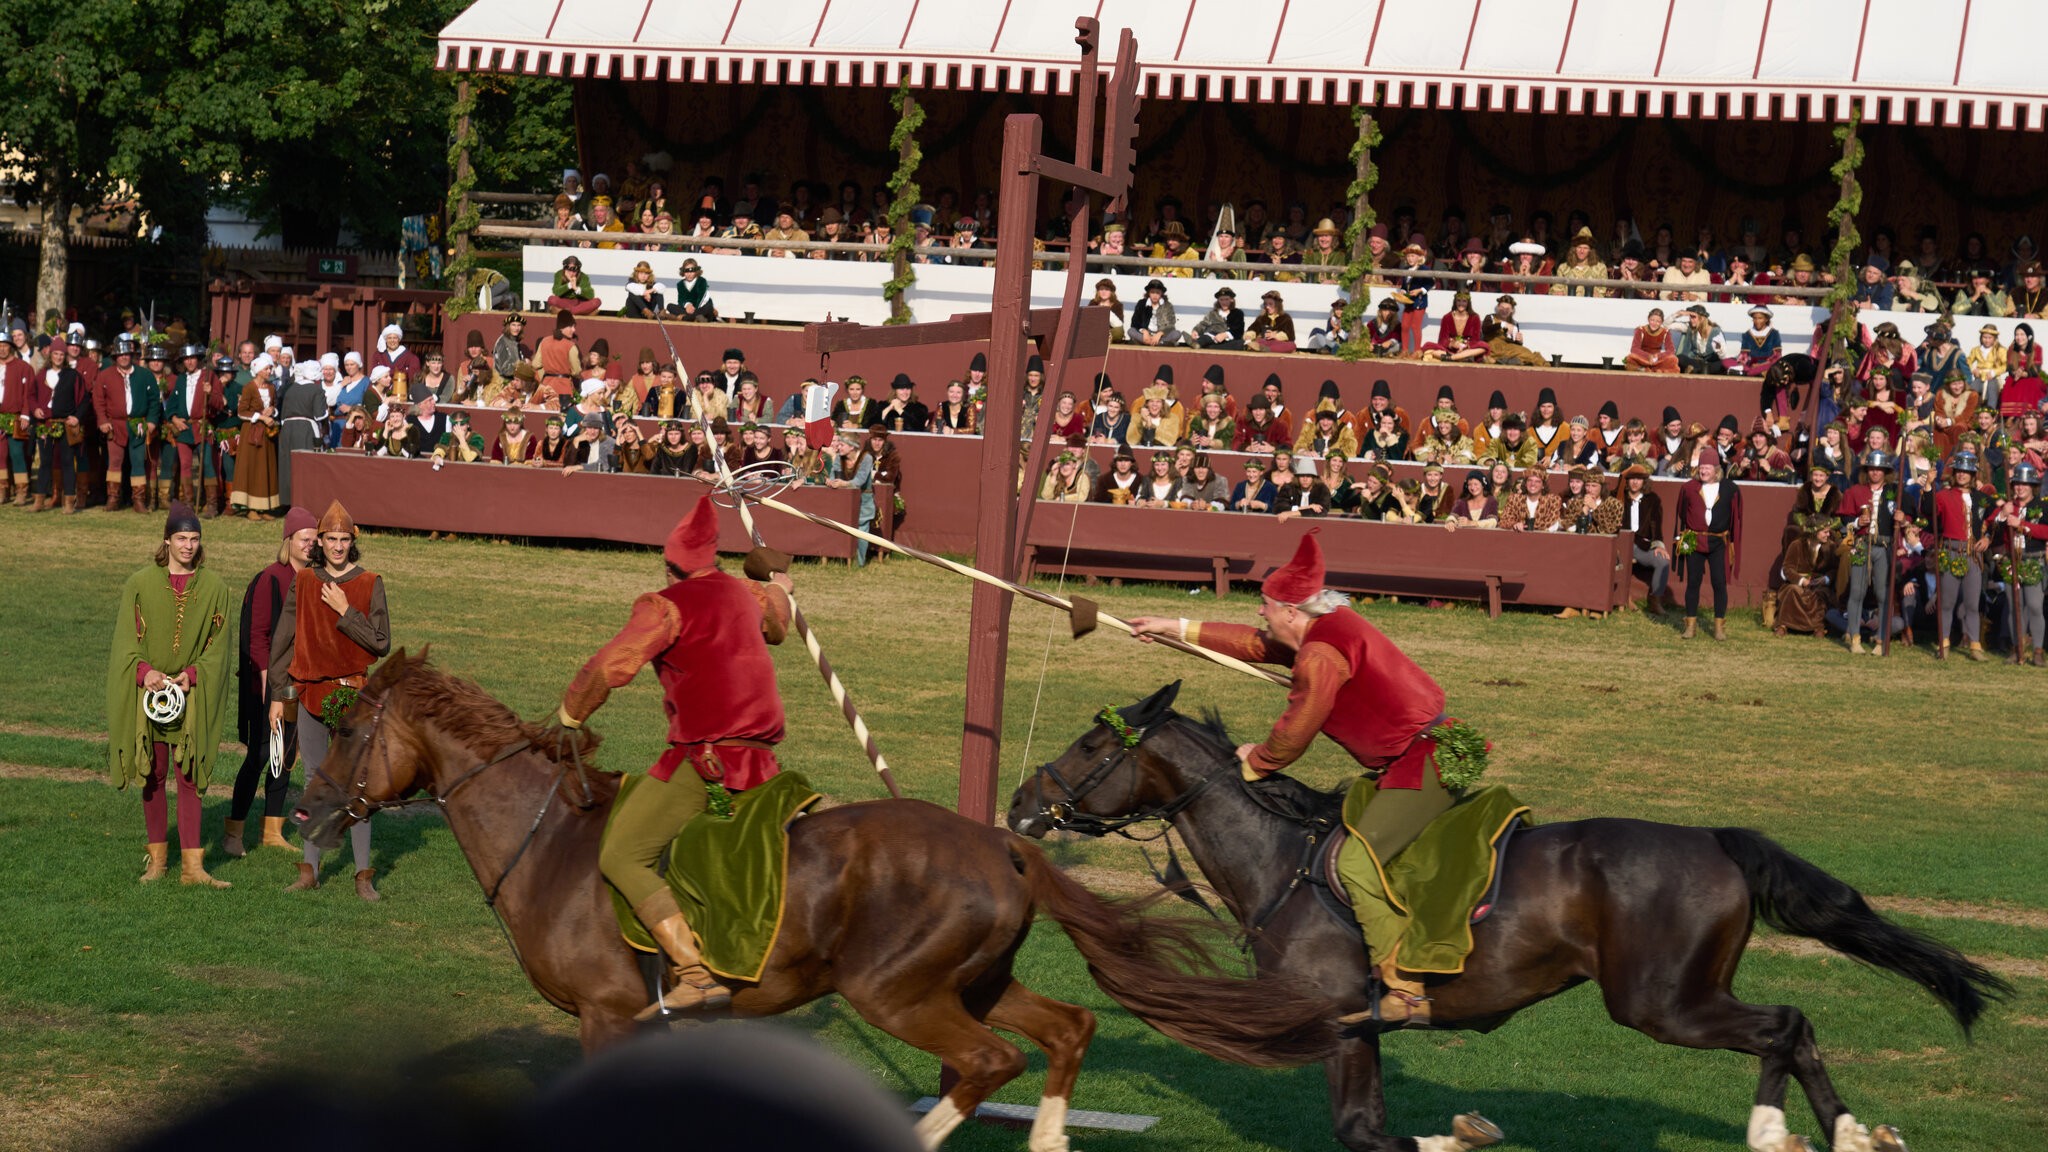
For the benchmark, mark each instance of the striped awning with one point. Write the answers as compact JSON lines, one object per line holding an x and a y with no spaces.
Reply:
{"x":1934,"y":62}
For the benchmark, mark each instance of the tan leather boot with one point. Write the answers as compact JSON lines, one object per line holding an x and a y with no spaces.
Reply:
{"x":153,"y":864}
{"x":1974,"y":653}
{"x":1770,"y":610}
{"x":231,"y":839}
{"x":1856,"y":644}
{"x":692,"y":986}
{"x":1720,"y":628}
{"x":1692,"y":628}
{"x":273,"y":834}
{"x":207,"y":490}
{"x":365,"y":888}
{"x":23,"y":495}
{"x":44,"y":504}
{"x":138,"y":497}
{"x":192,"y":869}
{"x":113,"y":493}
{"x":309,"y":879}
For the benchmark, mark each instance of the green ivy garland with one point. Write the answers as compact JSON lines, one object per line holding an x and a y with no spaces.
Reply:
{"x":463,"y":216}
{"x":717,"y":800}
{"x":1461,"y":754}
{"x":905,"y":192}
{"x":1113,"y":720}
{"x":2030,"y":569}
{"x":1687,"y":543}
{"x":1841,"y":297}
{"x":335,"y":708}
{"x":1359,"y":192}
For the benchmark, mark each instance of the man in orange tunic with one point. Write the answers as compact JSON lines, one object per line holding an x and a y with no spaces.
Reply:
{"x":333,"y":626}
{"x":1355,"y":686}
{"x":707,"y":635}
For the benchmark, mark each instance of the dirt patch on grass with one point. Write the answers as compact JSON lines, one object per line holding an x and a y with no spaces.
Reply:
{"x":2008,"y":915}
{"x":239,"y":976}
{"x":83,"y":776}
{"x":2007,"y":966}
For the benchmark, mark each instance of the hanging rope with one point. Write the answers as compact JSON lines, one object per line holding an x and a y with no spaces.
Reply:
{"x":1045,"y":662}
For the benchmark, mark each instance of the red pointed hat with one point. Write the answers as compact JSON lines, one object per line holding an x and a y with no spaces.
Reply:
{"x":1301,"y":577}
{"x":693,"y":544}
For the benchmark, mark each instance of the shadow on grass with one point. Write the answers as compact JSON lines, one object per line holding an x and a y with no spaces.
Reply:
{"x":1289,"y":1107}
{"x":538,"y":1054}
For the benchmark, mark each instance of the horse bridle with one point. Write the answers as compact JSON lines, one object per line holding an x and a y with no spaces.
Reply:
{"x":1063,"y":816}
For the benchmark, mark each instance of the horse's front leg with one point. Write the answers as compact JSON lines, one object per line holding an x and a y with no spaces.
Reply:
{"x":1359,"y":1106}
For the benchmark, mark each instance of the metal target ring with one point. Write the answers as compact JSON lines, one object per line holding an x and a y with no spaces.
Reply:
{"x":165,"y":704}
{"x":763,"y":480}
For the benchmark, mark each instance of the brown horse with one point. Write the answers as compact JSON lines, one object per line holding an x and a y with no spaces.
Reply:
{"x":912,"y":913}
{"x":1658,"y":915}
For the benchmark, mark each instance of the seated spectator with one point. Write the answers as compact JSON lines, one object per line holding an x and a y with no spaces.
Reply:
{"x":1591,"y":512}
{"x":1532,"y":507}
{"x":604,"y":219}
{"x":643,"y":296}
{"x":1213,"y":429}
{"x":1161,"y":481}
{"x":1064,"y":482}
{"x":1581,"y":262}
{"x":667,"y":399}
{"x":749,"y":405}
{"x":693,"y":294}
{"x":1759,"y":347}
{"x":906,"y":413}
{"x":552,"y":448}
{"x":1326,"y":435}
{"x":1652,"y":349}
{"x":1629,"y":265}
{"x":1254,"y":493}
{"x":630,"y":453}
{"x":786,"y":229}
{"x":1687,"y":280}
{"x":1067,"y":418}
{"x":1443,"y":443}
{"x":1514,"y":446}
{"x":1634,"y":447}
{"x":1324,"y":259}
{"x":1280,"y":252}
{"x":1273,"y":330}
{"x":591,"y":450}
{"x":1120,"y":484}
{"x":1526,"y":257}
{"x":805,"y":462}
{"x":1382,"y":331}
{"x":1260,"y":430}
{"x":1105,"y":297}
{"x":1377,"y":498}
{"x":1200,"y":488}
{"x":1222,"y":327}
{"x":1431,"y":501}
{"x":741,"y":228}
{"x":956,"y":415}
{"x":1503,"y":336}
{"x":1306,"y":496}
{"x":1158,"y":424}
{"x":1173,"y":247}
{"x":1152,"y":319}
{"x":1577,"y":448}
{"x":1699,"y":346}
{"x":572,"y":292}
{"x":1987,"y":362}
{"x":674,"y":451}
{"x":1807,"y":569}
{"x":1386,"y":441}
{"x":1874,"y":290}
{"x":854,"y":410}
{"x":1547,"y":425}
{"x":707,"y":400}
{"x":1460,"y":336}
{"x":1475,"y":507}
{"x":1980,"y":297}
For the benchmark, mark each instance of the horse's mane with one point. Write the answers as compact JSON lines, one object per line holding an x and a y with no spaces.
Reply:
{"x":1210,"y":729}
{"x":471,"y":715}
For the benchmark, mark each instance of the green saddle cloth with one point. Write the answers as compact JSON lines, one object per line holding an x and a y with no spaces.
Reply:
{"x":1436,"y":882}
{"x":728,"y":873}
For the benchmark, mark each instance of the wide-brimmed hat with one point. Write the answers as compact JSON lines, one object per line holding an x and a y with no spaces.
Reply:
{"x":1760,"y":310}
{"x":1327,"y":227}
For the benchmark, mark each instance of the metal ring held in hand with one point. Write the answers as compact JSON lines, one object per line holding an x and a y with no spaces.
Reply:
{"x":764,"y":479}
{"x":164,"y":704}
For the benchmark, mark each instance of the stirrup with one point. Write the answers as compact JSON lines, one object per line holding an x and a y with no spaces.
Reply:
{"x":693,"y":989}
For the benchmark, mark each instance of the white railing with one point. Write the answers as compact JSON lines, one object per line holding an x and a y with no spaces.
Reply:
{"x":1581,"y":330}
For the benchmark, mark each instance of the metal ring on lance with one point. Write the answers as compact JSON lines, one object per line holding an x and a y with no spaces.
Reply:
{"x":164,"y":704}
{"x":762,"y":480}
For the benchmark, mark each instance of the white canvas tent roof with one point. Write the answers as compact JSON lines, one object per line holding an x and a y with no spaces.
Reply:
{"x":1952,"y":62}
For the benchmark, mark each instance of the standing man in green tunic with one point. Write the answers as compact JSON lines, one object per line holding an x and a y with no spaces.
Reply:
{"x":171,"y":628}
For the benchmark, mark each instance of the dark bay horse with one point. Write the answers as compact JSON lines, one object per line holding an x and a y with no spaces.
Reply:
{"x":1657,"y":914}
{"x":912,"y":913}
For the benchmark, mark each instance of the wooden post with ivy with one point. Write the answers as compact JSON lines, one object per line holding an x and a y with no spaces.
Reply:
{"x":1357,"y":234}
{"x":904,"y":195}
{"x":463,"y":216}
{"x":1840,"y":300}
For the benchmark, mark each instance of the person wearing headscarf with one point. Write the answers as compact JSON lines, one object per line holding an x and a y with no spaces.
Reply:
{"x":393,"y":354}
{"x":171,"y":629}
{"x":302,"y":412}
{"x":255,"y":487}
{"x":334,"y":624}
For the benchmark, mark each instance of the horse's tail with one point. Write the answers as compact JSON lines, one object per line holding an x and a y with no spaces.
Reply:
{"x":1796,"y":897}
{"x":1159,"y":969}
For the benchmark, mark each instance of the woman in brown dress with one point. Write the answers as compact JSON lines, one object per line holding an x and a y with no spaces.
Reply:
{"x":255,"y":491}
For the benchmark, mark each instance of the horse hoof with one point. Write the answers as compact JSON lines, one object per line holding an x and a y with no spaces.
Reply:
{"x":1476,"y":1131}
{"x":1886,"y":1138}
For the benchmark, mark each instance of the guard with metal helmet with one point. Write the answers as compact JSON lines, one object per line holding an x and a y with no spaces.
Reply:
{"x":129,"y":403}
{"x":1962,"y":512}
{"x":184,"y":407}
{"x":1871,"y":512}
{"x":223,"y":422}
{"x":2021,"y":545}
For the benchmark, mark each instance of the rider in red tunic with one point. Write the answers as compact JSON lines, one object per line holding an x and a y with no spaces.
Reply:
{"x":1355,"y":686}
{"x":707,"y":635}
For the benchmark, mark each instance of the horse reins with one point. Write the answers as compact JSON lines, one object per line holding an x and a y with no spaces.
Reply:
{"x":368,"y":807}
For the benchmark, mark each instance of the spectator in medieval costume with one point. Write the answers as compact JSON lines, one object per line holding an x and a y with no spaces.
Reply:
{"x":693,"y":294}
{"x":508,"y":352}
{"x":1698,"y":344}
{"x":643,"y":295}
{"x":255,"y":491}
{"x":1273,"y":330}
{"x":2022,"y":526}
{"x":1710,"y":538}
{"x":262,"y":604}
{"x":1503,"y":334}
{"x":1581,"y":262}
{"x":1806,"y":571}
{"x":1460,"y":336}
{"x":1255,"y":493}
{"x":1591,"y":512}
{"x":1475,"y":506}
{"x":301,"y":410}
{"x":1222,"y":327}
{"x":1532,"y":507}
{"x":1652,"y":349}
{"x":1987,"y":363}
{"x":1980,"y":296}
{"x":1961,"y":516}
{"x":1643,"y":520}
{"x":62,"y":417}
{"x":171,"y":636}
{"x":1760,"y":346}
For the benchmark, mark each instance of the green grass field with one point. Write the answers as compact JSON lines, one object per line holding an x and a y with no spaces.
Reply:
{"x":1920,"y":783}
